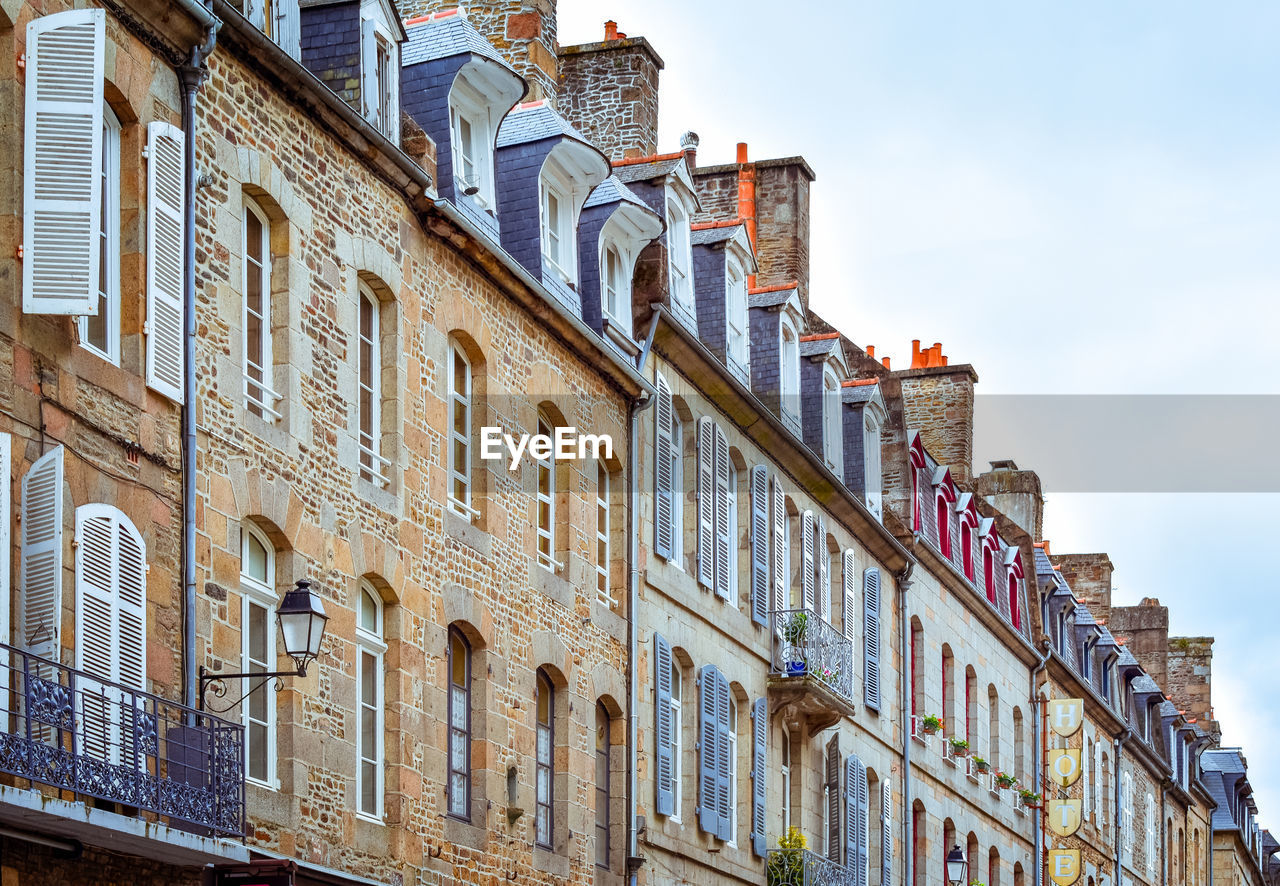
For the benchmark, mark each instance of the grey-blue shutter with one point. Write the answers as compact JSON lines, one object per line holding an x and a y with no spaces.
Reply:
{"x":886,"y":834}
{"x":851,"y":766}
{"x":759,"y":776}
{"x":871,"y":636}
{"x":726,"y":548}
{"x":706,"y":479}
{"x":862,"y":866}
{"x":760,"y":545}
{"x":664,"y":774}
{"x":833,"y":798}
{"x":724,"y":767}
{"x":664,"y":512}
{"x":708,"y":751}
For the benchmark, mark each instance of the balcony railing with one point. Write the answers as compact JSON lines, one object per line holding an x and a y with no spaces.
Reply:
{"x":807,"y":646}
{"x":800,"y":867}
{"x":67,"y":729}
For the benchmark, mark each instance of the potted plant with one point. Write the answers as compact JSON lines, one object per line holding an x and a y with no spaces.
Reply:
{"x":830,"y":676}
{"x":981,"y":765}
{"x":1030,"y":798}
{"x":793,"y":635}
{"x":1005,"y":781}
{"x":930,"y":725}
{"x":959,"y":747}
{"x":786,"y":866}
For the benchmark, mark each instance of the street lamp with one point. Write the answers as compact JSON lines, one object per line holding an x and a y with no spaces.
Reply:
{"x":956,"y":866}
{"x":302,"y":622}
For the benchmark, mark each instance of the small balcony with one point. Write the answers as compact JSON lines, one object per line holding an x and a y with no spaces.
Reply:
{"x":812,"y":668}
{"x":800,"y":867}
{"x":158,"y":760}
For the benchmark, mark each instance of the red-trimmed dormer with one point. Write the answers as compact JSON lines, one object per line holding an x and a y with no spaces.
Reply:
{"x":916,"y":450}
{"x":944,"y":492}
{"x":1013,"y":570}
{"x":967,"y":514}
{"x":990,"y":558}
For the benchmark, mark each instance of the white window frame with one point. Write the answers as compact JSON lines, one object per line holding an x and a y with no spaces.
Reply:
{"x":371,"y":647}
{"x":108,"y":300}
{"x":677,"y":739}
{"x":373,"y":464}
{"x":784,"y":755}
{"x":380,"y":65}
{"x":677,"y":489}
{"x":733,"y":534}
{"x":733,"y":770}
{"x":556,"y":183}
{"x":679,"y":255}
{"x":737,"y":332}
{"x":255,"y":592}
{"x":832,"y":439}
{"x":467,"y":103}
{"x":871,"y":469}
{"x":460,"y":396}
{"x":604,"y":546}
{"x":825,"y":590}
{"x":789,"y":373}
{"x":616,"y":290}
{"x":260,"y":397}
{"x":546,"y":532}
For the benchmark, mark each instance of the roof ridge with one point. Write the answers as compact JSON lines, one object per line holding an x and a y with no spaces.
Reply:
{"x":652,"y":158}
{"x":723,"y":223}
{"x":794,"y":284}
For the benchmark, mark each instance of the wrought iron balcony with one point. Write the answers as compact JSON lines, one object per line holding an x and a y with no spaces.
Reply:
{"x":800,"y":867}
{"x":72,"y":731}
{"x":813,"y":662}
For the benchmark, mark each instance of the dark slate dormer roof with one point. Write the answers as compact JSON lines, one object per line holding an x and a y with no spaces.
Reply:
{"x":612,"y":190}
{"x":1106,"y":639}
{"x":533,"y":124}
{"x":818,"y":347}
{"x":713,"y":236}
{"x":1043,"y":566}
{"x":658,"y":167}
{"x":1084,"y":618}
{"x":1143,"y":684}
{"x":862,"y":390}
{"x":434,"y":37}
{"x":772,"y":298}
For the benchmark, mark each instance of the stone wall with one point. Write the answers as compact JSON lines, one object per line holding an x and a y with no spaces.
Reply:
{"x":1016,"y":494}
{"x":938,"y":402}
{"x":1190,"y":679}
{"x":609,"y":92}
{"x":1145,"y":630}
{"x":1089,"y":576}
{"x":31,"y":864}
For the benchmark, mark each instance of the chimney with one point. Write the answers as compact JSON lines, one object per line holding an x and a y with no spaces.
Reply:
{"x":609,"y":92}
{"x":523,"y":32}
{"x":1190,"y":679}
{"x":747,"y":194}
{"x":689,"y":146}
{"x":1018,"y":496}
{"x":1145,"y":630}
{"x":1090,"y":578}
{"x":937,"y":400}
{"x":871,"y":351}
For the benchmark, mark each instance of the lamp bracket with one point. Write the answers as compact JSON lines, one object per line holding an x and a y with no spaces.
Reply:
{"x":216,"y":681}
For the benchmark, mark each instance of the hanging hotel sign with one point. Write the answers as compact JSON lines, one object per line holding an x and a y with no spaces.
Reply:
{"x":1064,"y":866}
{"x":1066,"y":715}
{"x":1064,"y":766}
{"x":1065,"y":816}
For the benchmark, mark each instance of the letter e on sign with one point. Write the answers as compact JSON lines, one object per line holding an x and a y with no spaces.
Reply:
{"x":1064,"y":866}
{"x":1066,"y":715}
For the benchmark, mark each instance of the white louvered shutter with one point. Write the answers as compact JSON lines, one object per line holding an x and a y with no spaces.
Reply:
{"x":393,"y":74}
{"x":40,"y":566}
{"x":806,"y":559}
{"x":1084,"y":778}
{"x":760,"y":544}
{"x":779,"y":547}
{"x":823,"y":556}
{"x":886,"y":834}
{"x":848,"y":589}
{"x":6,"y":541}
{"x":726,"y":547}
{"x":288,"y":27}
{"x":706,"y":502}
{"x":369,"y":71}
{"x":62,"y":163}
{"x":834,"y":831}
{"x":871,"y":635}
{"x":166,"y":184}
{"x":256,"y":12}
{"x":1099,"y":806}
{"x":664,"y":511}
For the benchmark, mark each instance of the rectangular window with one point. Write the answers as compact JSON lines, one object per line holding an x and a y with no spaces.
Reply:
{"x":602,"y":786}
{"x":372,"y":464}
{"x":736,"y":297}
{"x":369,"y":703}
{"x":379,"y":76}
{"x":258,"y":653}
{"x":464,"y":139}
{"x":732,"y":736}
{"x":472,"y":143}
{"x":260,"y":398}
{"x":100,"y":332}
{"x":677,"y":744}
{"x":459,"y":726}
{"x":545,"y":788}
{"x":731,"y":567}
{"x":460,"y":432}
{"x":679,"y":256}
{"x":557,"y":232}
{"x":546,"y":525}
{"x":386,"y":92}
{"x":871,"y":465}
{"x":604,"y":593}
{"x":611,"y":272}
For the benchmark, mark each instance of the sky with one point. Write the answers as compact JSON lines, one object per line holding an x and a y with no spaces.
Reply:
{"x":1075,"y":198}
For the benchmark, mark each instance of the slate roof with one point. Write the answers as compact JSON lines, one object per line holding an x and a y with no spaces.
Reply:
{"x":1084,"y":617}
{"x":611,"y":190}
{"x":858,"y":393}
{"x":638,"y":172}
{"x":1106,"y":639}
{"x":1043,"y":566}
{"x":770,"y":299}
{"x":1143,"y":684}
{"x":445,"y":37}
{"x":712,"y":236}
{"x":819,"y":347}
{"x":1222,"y":760}
{"x":1169,"y":709}
{"x":532,"y":123}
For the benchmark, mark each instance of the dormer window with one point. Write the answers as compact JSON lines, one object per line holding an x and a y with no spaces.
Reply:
{"x":472,"y":141}
{"x":557,"y":224}
{"x":944,"y":525}
{"x":831,"y":444}
{"x":789,"y":353}
{"x":871,"y":462}
{"x":679,"y":257}
{"x":614,"y":291}
{"x":738,"y":337}
{"x":379,"y":70}
{"x":279,"y":20}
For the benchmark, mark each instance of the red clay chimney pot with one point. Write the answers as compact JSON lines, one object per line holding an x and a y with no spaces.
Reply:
{"x":610,"y":31}
{"x":742,"y":152}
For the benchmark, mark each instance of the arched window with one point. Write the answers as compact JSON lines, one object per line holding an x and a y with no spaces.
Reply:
{"x":459,"y":453}
{"x":789,"y":354}
{"x":970,"y":706}
{"x":993,"y":731}
{"x":100,"y":332}
{"x":944,"y":526}
{"x":679,"y":257}
{"x":917,"y":672}
{"x":546,"y":524}
{"x":602,"y":786}
{"x":373,"y":464}
{"x":369,"y":683}
{"x":948,"y":693}
{"x":258,"y":651}
{"x":732,"y":736}
{"x":832,"y":437}
{"x":544,"y":705}
{"x":989,"y":572}
{"x":919,"y":844}
{"x":260,"y":397}
{"x":784,"y":769}
{"x":871,"y":463}
{"x":559,"y":240}
{"x":731,"y":566}
{"x":1015,"y":595}
{"x":604,"y":559}
{"x":677,"y":738}
{"x":459,"y":662}
{"x":1019,"y":747}
{"x":966,"y":547}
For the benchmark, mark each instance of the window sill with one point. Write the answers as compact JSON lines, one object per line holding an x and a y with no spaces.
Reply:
{"x":548,"y":861}
{"x":467,"y":533}
{"x":464,"y":833}
{"x":371,"y":819}
{"x":616,"y":333}
{"x":552,"y":585}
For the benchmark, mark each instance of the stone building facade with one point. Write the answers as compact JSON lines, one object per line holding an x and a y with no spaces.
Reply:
{"x":672,"y":659}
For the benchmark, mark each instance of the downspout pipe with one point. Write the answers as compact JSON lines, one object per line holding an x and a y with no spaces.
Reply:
{"x":1038,"y":755}
{"x":191,"y":76}
{"x":634,"y":861}
{"x":904,"y":642}
{"x":1118,"y":829}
